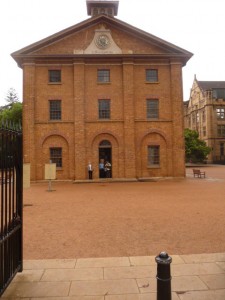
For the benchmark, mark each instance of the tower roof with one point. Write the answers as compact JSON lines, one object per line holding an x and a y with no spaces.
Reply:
{"x":106,"y":7}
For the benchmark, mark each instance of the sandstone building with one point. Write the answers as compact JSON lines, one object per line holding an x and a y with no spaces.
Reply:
{"x":205,"y":113}
{"x":103,"y":89}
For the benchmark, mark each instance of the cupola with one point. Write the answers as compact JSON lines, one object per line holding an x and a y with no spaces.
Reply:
{"x":99,"y":7}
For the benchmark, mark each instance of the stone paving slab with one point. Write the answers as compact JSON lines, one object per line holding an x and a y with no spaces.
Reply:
{"x":103,"y":262}
{"x":148,"y":296}
{"x":37,"y":289}
{"x":194,"y":277}
{"x":49,"y":264}
{"x":73,"y":298}
{"x":198,"y":258}
{"x":203,"y":295}
{"x":72,"y":274}
{"x":214,"y":281}
{"x":104,"y":287}
{"x":150,"y":260}
{"x":129,"y":272}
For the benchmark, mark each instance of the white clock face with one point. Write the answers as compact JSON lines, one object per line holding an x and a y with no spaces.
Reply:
{"x":102,"y":41}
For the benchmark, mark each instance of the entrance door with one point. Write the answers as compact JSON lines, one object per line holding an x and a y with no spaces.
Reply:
{"x":105,"y":155}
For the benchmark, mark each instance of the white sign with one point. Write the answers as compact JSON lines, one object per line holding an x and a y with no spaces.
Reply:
{"x":50,"y":171}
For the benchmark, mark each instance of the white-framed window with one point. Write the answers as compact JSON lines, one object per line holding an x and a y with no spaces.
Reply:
{"x":104,"y":109}
{"x":152,"y":108}
{"x":153,"y":155}
{"x":152,"y":75}
{"x":103,"y":75}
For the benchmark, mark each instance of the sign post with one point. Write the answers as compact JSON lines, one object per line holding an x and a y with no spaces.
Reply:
{"x":50,"y":174}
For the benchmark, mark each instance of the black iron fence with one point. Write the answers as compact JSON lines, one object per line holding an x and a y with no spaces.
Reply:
{"x":11,"y":193}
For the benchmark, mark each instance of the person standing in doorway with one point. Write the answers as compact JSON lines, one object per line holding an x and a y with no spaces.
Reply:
{"x":108,"y":169}
{"x":90,"y":170}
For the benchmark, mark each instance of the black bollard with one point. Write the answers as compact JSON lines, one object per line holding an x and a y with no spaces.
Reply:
{"x":163,"y":276}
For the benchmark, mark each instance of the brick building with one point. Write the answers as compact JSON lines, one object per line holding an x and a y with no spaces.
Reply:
{"x":103,"y":89}
{"x":205,"y":113}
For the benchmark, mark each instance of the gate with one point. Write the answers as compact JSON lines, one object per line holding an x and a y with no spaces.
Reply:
{"x":11,"y":189}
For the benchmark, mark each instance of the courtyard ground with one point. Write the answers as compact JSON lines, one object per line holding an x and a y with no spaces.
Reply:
{"x":180,"y":216}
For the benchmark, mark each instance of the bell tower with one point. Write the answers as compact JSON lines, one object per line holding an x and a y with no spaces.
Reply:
{"x":105,"y":7}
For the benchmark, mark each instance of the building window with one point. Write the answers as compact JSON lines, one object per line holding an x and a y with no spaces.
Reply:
{"x":197,"y":117}
{"x":203,"y":116}
{"x":56,"y":156}
{"x":220,"y":113}
{"x":222,"y":149}
{"x":204,"y":130}
{"x":189,"y":121}
{"x":152,"y":75}
{"x":54,"y":75}
{"x":209,"y":95}
{"x":104,"y":109}
{"x":103,"y":75}
{"x":152,"y":108}
{"x":153,"y":155}
{"x":193,"y":118}
{"x":55,"y":109}
{"x":219,"y":93}
{"x":221,"y":130}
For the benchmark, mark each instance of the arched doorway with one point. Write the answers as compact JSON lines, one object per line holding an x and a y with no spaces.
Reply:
{"x":105,"y":155}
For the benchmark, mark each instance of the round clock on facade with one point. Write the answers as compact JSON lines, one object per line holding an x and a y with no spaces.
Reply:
{"x":102,"y":41}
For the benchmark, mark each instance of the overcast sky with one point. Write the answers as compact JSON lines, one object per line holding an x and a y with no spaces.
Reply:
{"x":195,"y":25}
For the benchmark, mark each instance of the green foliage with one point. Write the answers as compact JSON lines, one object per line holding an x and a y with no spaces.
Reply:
{"x":196,"y":150}
{"x":12,"y":114}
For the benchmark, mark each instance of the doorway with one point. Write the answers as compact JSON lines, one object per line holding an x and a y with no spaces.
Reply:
{"x":105,"y":155}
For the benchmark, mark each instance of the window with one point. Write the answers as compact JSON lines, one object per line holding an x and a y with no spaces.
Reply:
{"x":209,"y":94}
{"x":204,"y":130}
{"x":103,"y":75}
{"x":54,"y":75}
{"x":221,"y":130}
{"x":197,"y":117}
{"x":222,"y":149}
{"x":219,"y":93}
{"x":153,"y":155}
{"x":56,"y":156}
{"x":189,"y":121}
{"x":203,"y":116}
{"x":152,"y":75}
{"x":220,"y":113}
{"x":55,"y":109}
{"x":193,"y":118}
{"x":152,"y":108}
{"x":105,"y":143}
{"x":104,"y":109}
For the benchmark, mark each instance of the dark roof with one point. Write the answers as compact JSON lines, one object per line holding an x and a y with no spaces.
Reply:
{"x":209,"y":85}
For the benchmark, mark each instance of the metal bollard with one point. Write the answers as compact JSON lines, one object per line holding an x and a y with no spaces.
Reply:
{"x":163,"y":261}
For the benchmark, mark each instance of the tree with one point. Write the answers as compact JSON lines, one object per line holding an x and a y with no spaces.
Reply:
{"x":196,"y":150}
{"x":11,"y":112}
{"x":11,"y":97}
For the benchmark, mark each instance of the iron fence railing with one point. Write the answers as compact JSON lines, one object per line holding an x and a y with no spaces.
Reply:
{"x":11,"y":193}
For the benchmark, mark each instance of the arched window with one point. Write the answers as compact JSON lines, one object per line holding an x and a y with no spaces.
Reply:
{"x":105,"y":144}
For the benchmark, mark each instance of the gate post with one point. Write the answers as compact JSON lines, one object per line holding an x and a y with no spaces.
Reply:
{"x":163,"y":261}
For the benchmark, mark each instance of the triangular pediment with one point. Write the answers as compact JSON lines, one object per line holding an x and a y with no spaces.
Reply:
{"x":101,"y":35}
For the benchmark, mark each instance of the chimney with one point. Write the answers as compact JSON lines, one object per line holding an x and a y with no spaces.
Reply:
{"x":102,"y":7}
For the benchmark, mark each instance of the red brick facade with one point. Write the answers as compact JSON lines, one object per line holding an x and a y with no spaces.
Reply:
{"x":80,"y":132}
